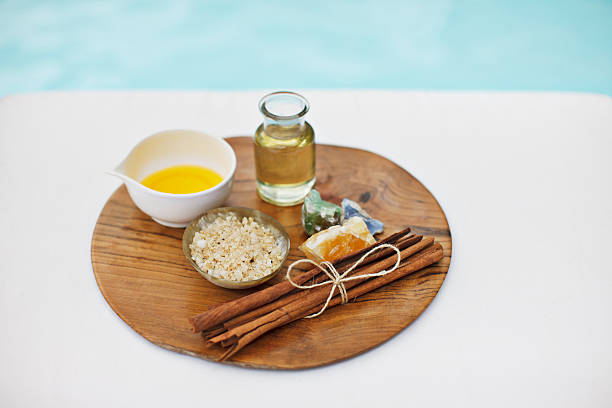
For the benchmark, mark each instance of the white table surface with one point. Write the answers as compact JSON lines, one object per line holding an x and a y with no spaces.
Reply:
{"x":524,"y":317}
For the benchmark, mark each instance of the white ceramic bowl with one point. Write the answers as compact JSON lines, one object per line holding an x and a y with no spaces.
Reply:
{"x":171,"y":148}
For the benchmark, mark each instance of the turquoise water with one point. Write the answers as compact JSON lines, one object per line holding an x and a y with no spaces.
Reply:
{"x":500,"y":45}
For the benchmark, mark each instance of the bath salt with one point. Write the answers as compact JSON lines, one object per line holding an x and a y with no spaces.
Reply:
{"x":236,"y":249}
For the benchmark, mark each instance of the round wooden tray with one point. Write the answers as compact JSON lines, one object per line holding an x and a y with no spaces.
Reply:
{"x":141,"y":270}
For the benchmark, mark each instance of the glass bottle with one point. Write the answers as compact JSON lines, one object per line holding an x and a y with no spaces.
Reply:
{"x":284,"y":149}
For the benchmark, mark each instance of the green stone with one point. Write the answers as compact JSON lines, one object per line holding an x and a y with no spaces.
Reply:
{"x":318,"y":215}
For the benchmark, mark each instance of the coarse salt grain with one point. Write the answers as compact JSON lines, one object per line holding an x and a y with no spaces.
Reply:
{"x":237,"y":250}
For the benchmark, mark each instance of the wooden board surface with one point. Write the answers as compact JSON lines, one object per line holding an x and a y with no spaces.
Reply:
{"x":141,"y":270}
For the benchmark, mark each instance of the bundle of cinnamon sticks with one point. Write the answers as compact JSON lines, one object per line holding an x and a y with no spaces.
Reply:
{"x":235,"y":324}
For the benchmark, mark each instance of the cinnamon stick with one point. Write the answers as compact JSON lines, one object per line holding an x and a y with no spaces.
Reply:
{"x":417,"y":262}
{"x":260,"y":311}
{"x":228,"y":310}
{"x":318,"y":295}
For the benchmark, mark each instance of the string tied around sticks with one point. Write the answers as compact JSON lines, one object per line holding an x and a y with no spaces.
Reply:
{"x":336,"y":279}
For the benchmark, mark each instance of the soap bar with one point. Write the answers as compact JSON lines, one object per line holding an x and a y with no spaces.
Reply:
{"x":318,"y":215}
{"x":352,"y":209}
{"x":338,"y":241}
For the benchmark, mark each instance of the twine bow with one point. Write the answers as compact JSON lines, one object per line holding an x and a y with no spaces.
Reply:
{"x":337,"y":280}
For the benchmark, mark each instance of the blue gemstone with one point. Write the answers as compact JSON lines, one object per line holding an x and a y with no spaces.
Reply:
{"x":352,"y":209}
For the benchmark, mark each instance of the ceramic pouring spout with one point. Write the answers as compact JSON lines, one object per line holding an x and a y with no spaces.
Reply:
{"x":119,"y":172}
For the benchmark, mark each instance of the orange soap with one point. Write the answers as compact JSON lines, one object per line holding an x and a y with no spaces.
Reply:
{"x":338,"y":241}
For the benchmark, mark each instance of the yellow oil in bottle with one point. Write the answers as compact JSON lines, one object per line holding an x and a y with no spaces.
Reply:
{"x":183,"y":179}
{"x":284,"y":155}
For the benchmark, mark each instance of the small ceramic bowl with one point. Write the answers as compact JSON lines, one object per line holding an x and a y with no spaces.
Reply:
{"x":171,"y":148}
{"x":197,"y":225}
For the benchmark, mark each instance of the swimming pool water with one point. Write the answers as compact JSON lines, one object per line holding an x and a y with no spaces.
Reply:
{"x":190,"y":44}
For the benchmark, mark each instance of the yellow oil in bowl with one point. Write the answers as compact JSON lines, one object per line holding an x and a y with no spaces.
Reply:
{"x":183,"y":179}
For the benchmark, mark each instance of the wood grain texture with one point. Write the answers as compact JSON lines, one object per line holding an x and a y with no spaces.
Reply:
{"x":142,"y":272}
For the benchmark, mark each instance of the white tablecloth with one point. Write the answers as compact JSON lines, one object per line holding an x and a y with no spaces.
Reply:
{"x":523,"y":319}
